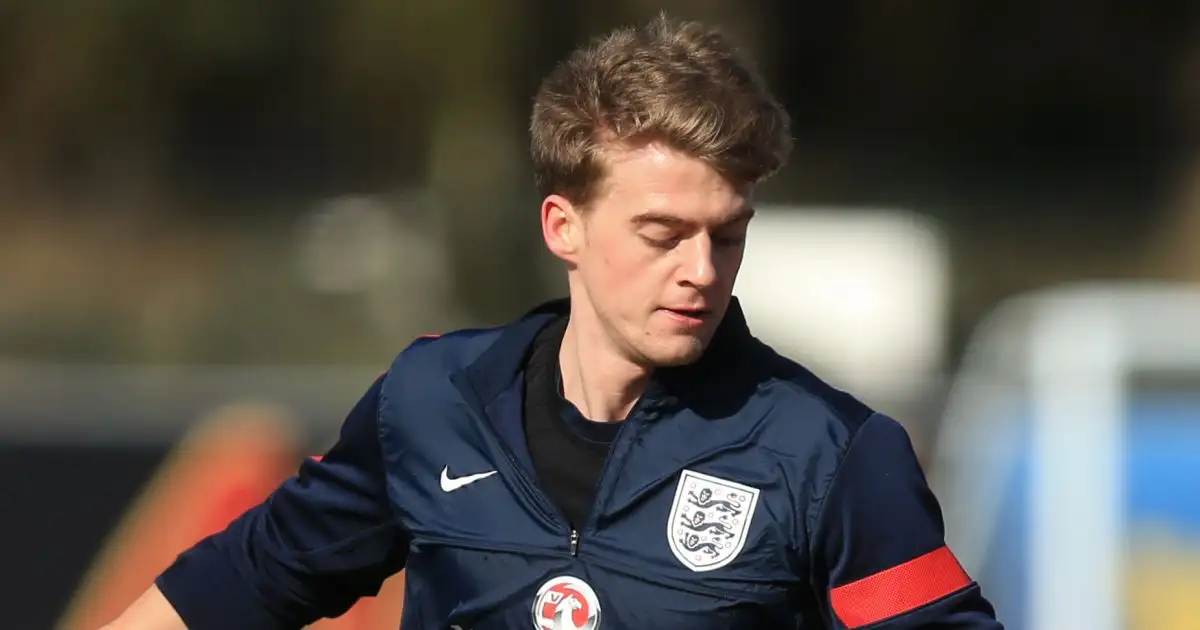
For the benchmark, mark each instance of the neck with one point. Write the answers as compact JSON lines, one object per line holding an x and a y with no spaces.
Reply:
{"x":602,"y":383}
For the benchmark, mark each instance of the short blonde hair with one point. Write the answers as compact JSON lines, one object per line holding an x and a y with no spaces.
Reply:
{"x":679,"y":83}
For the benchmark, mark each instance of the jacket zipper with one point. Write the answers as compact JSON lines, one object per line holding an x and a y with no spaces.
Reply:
{"x":618,"y":452}
{"x":539,"y":495}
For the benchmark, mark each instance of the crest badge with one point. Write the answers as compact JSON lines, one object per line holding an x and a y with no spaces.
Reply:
{"x":709,"y":520}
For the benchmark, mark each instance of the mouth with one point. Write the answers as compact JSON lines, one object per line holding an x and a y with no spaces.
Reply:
{"x":688,"y":316}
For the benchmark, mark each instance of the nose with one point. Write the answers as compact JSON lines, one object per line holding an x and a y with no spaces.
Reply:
{"x":699,"y":269}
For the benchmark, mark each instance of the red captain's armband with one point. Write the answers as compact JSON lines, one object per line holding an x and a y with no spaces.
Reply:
{"x":900,"y":589}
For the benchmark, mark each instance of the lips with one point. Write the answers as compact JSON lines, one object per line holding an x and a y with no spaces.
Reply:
{"x":687,"y":316}
{"x":697,"y":313}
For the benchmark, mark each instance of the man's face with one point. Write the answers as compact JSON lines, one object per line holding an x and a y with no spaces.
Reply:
{"x":657,"y":253}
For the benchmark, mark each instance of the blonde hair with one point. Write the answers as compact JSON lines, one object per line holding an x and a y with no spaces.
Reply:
{"x":678,"y":83}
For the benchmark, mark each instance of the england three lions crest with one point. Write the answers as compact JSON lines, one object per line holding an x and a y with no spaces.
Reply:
{"x":709,"y":520}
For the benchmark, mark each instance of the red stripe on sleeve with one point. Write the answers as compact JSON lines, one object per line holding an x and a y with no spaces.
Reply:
{"x":900,"y":589}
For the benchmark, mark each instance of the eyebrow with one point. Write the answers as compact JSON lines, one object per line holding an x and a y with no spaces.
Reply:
{"x":663,"y":218}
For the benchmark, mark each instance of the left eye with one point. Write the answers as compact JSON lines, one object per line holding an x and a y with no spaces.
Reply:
{"x":661,"y":243}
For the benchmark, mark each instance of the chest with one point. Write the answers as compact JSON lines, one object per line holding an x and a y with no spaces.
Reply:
{"x":685,"y":530}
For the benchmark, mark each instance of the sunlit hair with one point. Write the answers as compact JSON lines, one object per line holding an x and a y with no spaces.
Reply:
{"x":681,"y":84}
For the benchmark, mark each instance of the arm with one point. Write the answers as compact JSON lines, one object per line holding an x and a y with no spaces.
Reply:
{"x":322,"y":540}
{"x":879,"y":546}
{"x":151,"y":611}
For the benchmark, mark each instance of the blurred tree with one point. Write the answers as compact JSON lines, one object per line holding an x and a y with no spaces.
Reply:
{"x":1175,"y":250}
{"x":77,"y":98}
{"x":460,"y":62}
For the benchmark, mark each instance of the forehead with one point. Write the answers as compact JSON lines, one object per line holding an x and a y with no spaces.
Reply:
{"x":668,"y":183}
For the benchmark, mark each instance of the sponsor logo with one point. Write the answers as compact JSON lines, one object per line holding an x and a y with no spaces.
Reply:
{"x":566,"y":603}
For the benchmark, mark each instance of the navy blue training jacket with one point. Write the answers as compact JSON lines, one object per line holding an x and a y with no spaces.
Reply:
{"x":742,"y":492}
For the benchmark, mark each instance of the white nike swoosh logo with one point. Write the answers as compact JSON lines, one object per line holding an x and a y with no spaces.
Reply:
{"x":450,"y":485}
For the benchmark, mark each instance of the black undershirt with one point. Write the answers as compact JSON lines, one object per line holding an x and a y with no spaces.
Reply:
{"x":567,"y":449}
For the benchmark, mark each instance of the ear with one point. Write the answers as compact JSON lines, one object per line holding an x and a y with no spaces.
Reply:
{"x":562,"y":227}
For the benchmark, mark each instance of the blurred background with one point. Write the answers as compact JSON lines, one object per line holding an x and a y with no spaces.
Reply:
{"x":219,"y":220}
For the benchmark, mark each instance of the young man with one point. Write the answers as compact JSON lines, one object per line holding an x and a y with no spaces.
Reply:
{"x":630,"y":457}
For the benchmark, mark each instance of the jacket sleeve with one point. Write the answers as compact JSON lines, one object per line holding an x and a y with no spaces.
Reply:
{"x":323,"y":539}
{"x":879,"y":548}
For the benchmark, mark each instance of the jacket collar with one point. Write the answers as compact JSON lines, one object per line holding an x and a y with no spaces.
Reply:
{"x":503,"y":362}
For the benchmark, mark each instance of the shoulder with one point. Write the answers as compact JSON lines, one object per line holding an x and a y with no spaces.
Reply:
{"x":804,"y":405}
{"x":824,"y":433}
{"x":420,"y":382}
{"x":818,"y":424}
{"x":444,"y":352}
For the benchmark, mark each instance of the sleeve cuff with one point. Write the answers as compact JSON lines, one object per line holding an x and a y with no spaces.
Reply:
{"x":208,"y":593}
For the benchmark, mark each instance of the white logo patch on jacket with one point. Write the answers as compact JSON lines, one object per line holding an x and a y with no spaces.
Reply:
{"x":709,"y":520}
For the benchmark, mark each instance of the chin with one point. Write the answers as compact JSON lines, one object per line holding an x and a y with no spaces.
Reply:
{"x":677,"y":352}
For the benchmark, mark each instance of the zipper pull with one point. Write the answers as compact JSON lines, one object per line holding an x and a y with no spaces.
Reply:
{"x":574,"y":541}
